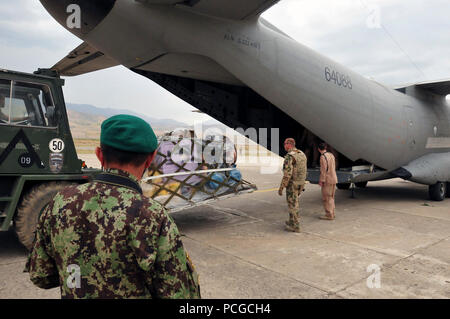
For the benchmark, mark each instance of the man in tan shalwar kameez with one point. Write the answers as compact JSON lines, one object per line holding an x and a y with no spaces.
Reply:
{"x":328,"y":180}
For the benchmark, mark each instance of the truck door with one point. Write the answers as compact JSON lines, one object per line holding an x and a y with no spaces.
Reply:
{"x":30,"y":139}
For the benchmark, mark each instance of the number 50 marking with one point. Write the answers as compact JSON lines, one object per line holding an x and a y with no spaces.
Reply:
{"x":56,"y":145}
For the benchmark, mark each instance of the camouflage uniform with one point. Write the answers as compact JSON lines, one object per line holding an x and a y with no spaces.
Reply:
{"x":125,"y":245}
{"x":294,"y":178}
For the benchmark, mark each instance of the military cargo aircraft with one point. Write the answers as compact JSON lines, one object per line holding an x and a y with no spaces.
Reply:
{"x":223,"y":58}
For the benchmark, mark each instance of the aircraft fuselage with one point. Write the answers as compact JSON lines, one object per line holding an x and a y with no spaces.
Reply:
{"x":361,"y":118}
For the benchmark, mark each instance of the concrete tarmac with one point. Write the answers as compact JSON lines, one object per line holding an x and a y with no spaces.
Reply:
{"x":241,"y":250}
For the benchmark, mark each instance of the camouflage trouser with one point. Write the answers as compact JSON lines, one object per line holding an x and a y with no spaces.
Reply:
{"x":292,"y":196}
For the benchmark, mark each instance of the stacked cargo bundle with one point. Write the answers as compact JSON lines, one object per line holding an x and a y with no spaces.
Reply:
{"x":188,"y":171}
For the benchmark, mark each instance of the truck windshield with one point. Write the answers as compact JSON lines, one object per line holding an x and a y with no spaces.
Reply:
{"x":24,"y":103}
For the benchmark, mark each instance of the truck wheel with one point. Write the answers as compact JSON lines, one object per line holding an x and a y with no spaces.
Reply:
{"x":30,"y":209}
{"x":361,"y":184}
{"x":343,"y":186}
{"x":438,"y":191}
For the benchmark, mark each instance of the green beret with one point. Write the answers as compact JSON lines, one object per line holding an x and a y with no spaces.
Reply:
{"x":128,"y":133}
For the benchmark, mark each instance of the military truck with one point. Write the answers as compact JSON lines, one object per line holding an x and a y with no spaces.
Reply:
{"x":38,"y":156}
{"x":37,"y":152}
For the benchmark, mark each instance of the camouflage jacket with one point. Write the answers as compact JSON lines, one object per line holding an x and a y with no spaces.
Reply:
{"x":294,"y":168}
{"x":102,"y":240}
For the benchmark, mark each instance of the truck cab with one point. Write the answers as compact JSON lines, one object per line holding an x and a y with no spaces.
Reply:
{"x":37,"y":152}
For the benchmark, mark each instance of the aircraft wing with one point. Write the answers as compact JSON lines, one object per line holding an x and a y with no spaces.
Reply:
{"x":83,"y":59}
{"x":437,"y":87}
{"x":228,"y":9}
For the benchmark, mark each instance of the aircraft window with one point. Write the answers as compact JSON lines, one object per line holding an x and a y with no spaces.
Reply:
{"x":25,"y":104}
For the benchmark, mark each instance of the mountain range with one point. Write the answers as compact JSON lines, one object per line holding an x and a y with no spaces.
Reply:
{"x":85,"y":120}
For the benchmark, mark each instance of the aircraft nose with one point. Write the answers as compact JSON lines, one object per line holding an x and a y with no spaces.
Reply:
{"x":79,"y":16}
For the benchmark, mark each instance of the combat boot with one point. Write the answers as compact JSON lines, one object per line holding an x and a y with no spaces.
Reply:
{"x":292,"y":229}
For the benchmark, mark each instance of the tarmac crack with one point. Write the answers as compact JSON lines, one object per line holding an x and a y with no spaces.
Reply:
{"x":390,"y":265}
{"x":235,"y":212}
{"x":354,"y":245}
{"x":338,"y":241}
{"x":341,"y":242}
{"x":385,"y":267}
{"x":410,"y":214}
{"x":255,"y":220}
{"x":420,"y":250}
{"x":260,"y":266}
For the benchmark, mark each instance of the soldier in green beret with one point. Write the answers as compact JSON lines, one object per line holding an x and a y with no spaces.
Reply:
{"x":105,"y":239}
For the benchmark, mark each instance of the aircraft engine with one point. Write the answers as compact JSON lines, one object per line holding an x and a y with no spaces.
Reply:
{"x":79,"y":16}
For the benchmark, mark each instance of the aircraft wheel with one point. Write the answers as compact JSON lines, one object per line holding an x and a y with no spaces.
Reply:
{"x":448,"y":189}
{"x":438,"y":191}
{"x":30,"y":209}
{"x":361,"y":184}
{"x":343,"y":186}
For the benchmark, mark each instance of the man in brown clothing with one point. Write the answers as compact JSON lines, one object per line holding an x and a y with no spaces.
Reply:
{"x":328,"y":181}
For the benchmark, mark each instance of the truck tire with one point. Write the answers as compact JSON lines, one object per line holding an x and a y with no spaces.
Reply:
{"x":30,"y":209}
{"x":438,"y":191}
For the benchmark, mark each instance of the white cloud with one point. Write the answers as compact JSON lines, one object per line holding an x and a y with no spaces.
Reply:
{"x":339,"y":30}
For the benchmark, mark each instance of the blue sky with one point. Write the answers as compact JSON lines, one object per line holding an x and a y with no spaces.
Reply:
{"x":391,"y":41}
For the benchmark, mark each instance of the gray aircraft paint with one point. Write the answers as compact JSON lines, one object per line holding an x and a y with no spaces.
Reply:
{"x":370,"y":121}
{"x":430,"y":168}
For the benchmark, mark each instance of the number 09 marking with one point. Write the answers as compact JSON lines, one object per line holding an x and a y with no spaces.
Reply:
{"x":56,"y":145}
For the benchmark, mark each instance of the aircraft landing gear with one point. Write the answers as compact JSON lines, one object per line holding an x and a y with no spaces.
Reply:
{"x":361,"y":184}
{"x":343,"y":186}
{"x":438,"y":191}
